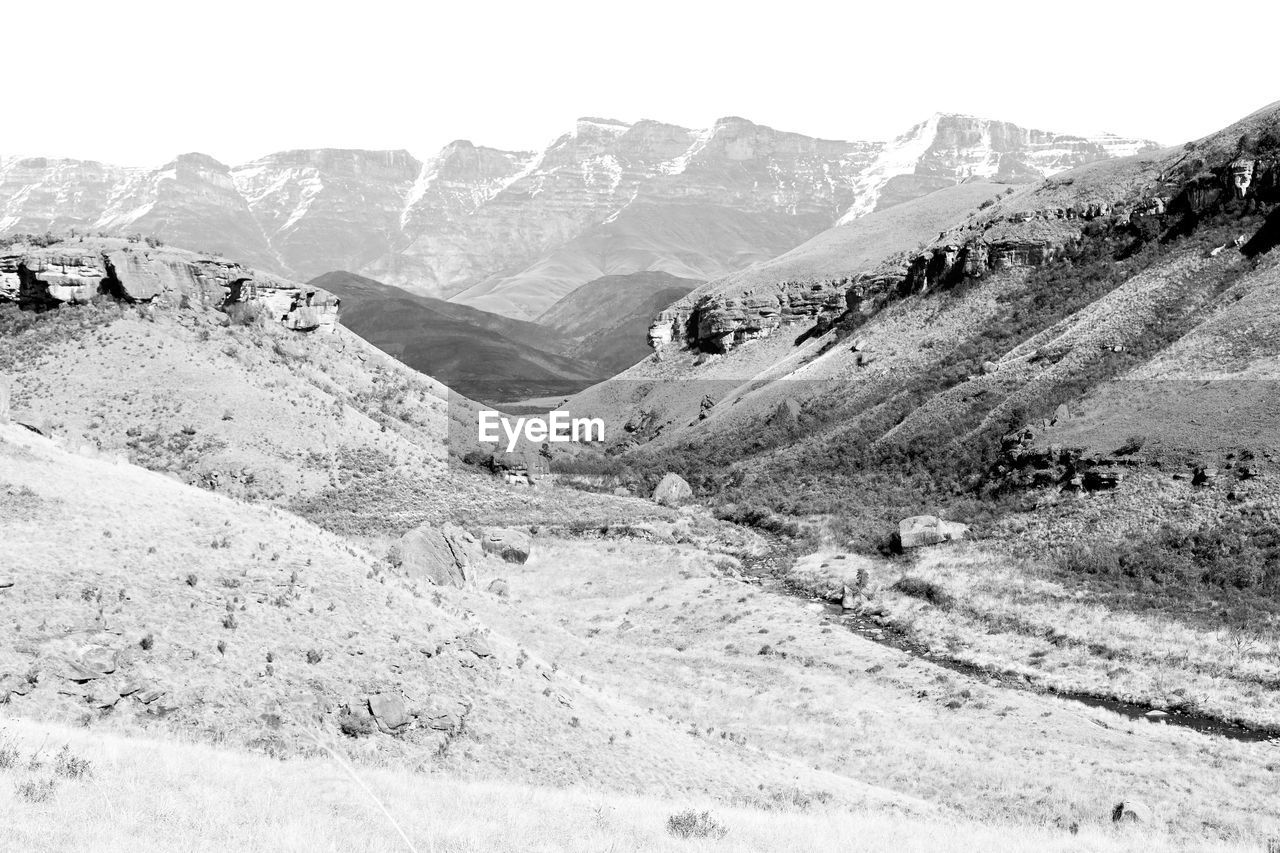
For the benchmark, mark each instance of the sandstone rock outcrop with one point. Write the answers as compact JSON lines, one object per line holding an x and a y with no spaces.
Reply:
{"x":75,"y":272}
{"x":672,"y":490}
{"x":920,"y":530}
{"x":720,"y":321}
{"x":447,"y":556}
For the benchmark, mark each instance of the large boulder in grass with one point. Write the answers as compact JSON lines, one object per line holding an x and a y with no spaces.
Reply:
{"x":839,"y":577}
{"x":447,"y":555}
{"x":513,"y":546}
{"x":388,"y":710}
{"x":672,"y":490}
{"x":919,"y":530}
{"x":1131,"y":811}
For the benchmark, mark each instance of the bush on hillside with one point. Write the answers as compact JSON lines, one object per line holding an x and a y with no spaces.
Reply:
{"x":695,"y":824}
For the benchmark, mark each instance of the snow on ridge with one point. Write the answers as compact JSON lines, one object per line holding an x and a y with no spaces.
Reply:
{"x":678,"y":164}
{"x":899,"y":157}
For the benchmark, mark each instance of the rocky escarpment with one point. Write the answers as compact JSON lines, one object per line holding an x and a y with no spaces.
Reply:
{"x":720,"y":321}
{"x":70,"y":273}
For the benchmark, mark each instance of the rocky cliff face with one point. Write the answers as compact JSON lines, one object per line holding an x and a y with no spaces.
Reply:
{"x":485,"y":226}
{"x":77,"y":272}
{"x":947,"y":149}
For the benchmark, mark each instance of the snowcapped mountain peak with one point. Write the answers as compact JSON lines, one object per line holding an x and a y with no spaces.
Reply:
{"x":510,"y":230}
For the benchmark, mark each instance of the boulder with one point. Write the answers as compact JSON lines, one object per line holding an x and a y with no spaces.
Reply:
{"x":499,"y":587}
{"x":388,"y":710}
{"x":513,"y":546}
{"x":447,"y":556}
{"x":929,"y":530}
{"x":92,"y":662}
{"x":1130,"y":811}
{"x":672,"y":490}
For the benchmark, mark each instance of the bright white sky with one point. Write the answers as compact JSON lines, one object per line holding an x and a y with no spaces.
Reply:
{"x":136,"y":82}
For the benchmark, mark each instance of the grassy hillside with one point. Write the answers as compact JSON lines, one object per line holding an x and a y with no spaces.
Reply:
{"x":609,"y":318}
{"x":480,"y":355}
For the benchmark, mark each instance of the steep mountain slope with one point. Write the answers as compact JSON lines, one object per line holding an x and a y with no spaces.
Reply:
{"x":515,"y":231}
{"x":328,"y":209}
{"x":481,"y":355}
{"x":1114,"y":305}
{"x":610,"y":317}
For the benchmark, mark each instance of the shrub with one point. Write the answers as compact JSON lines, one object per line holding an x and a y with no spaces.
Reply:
{"x":70,"y":766}
{"x":35,"y":790}
{"x":694,"y":824}
{"x":925,"y":590}
{"x":8,"y":756}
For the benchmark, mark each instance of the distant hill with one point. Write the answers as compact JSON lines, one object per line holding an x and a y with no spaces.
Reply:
{"x":594,"y":332}
{"x":481,"y":355}
{"x":609,"y":318}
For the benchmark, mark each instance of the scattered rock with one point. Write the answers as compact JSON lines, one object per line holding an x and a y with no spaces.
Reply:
{"x":92,"y":662}
{"x":1100,"y":479}
{"x":388,"y":710}
{"x":443,"y":722}
{"x":499,"y":587}
{"x":929,"y":530}
{"x":989,"y":367}
{"x":1203,"y":476}
{"x":478,"y":646}
{"x":513,"y":546}
{"x":672,"y":490}
{"x":1061,"y":414}
{"x":13,"y":685}
{"x":1156,"y":714}
{"x":1130,"y":811}
{"x":446,"y":555}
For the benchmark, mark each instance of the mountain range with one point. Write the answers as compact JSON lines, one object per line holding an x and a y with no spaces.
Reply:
{"x":515,"y":231}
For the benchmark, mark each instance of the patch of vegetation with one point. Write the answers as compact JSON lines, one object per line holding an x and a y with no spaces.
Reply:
{"x":1229,"y":568}
{"x":694,"y":824}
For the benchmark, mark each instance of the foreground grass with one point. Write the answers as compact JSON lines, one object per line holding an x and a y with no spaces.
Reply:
{"x":144,"y":795}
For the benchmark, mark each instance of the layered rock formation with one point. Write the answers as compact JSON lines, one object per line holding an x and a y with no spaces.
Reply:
{"x":80,"y":271}
{"x":721,"y":321}
{"x":515,"y":231}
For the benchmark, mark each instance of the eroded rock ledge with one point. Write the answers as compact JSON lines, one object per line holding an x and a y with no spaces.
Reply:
{"x":69,"y":273}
